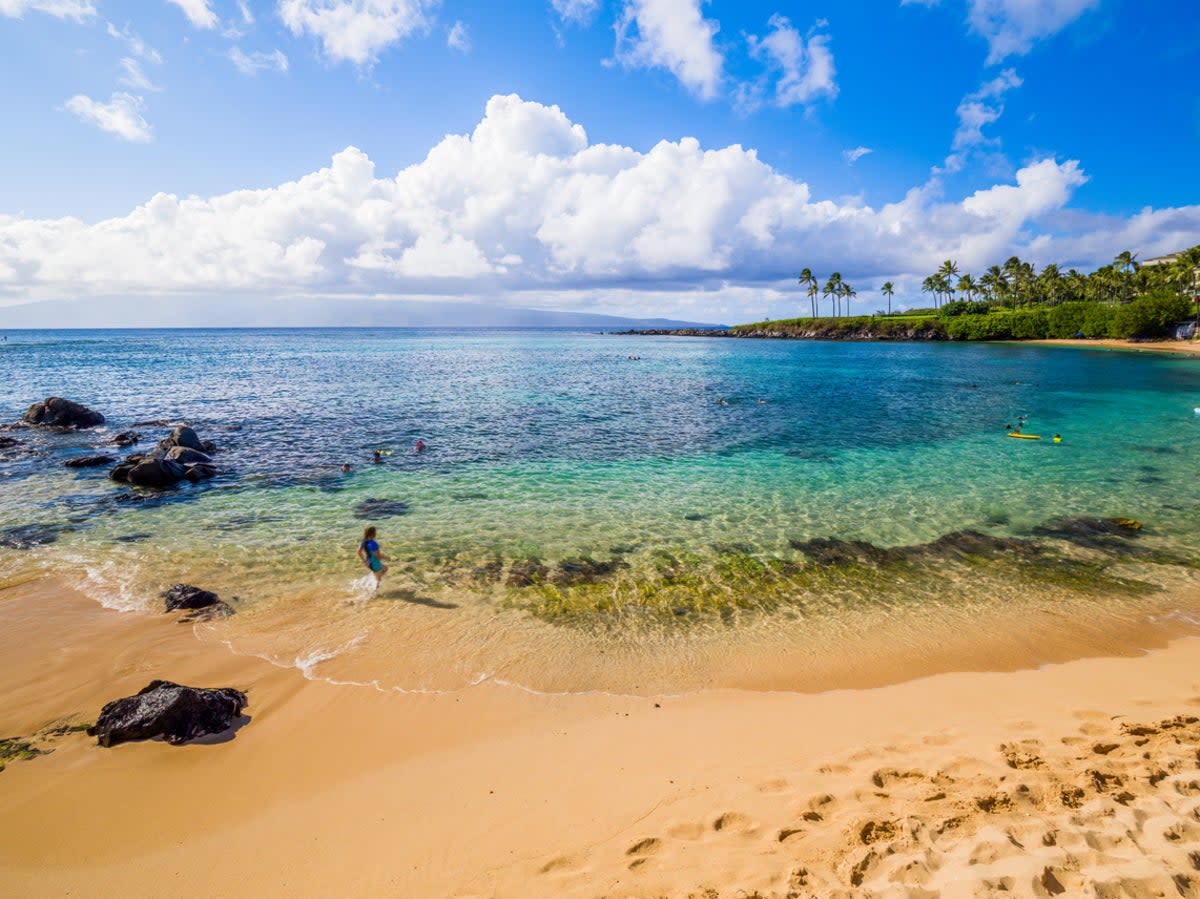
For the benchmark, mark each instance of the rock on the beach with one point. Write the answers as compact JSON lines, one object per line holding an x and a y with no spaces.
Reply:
{"x":27,"y":536}
{"x":89,"y":461}
{"x":168,"y":710}
{"x":126,"y":438}
{"x":185,"y":597}
{"x":200,"y":471}
{"x":56,"y":412}
{"x":6,"y":442}
{"x":380,"y":508}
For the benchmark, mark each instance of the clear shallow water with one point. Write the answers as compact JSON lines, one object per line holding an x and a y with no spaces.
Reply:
{"x":582,"y":519}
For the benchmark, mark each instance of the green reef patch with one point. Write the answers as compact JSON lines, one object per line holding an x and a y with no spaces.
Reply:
{"x":680,"y":587}
{"x":22,"y":749}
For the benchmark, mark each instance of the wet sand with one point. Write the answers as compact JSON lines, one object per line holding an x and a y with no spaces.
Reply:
{"x":1079,"y":778}
{"x":1187,"y":347}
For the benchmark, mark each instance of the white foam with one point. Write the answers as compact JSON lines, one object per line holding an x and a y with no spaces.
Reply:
{"x":112,"y":585}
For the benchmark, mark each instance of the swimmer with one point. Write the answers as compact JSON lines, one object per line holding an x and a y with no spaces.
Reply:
{"x":1058,"y":438}
{"x":377,"y":457}
{"x":419,"y":446}
{"x":368,"y":552}
{"x":345,"y":468}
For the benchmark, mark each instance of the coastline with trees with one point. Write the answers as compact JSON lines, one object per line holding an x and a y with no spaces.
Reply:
{"x":1126,"y":300}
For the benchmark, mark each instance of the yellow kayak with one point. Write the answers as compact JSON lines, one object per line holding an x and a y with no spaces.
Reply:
{"x":1024,"y":436}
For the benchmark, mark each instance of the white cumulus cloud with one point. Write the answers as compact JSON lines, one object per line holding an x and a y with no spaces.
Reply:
{"x":198,"y":12}
{"x":136,"y":45}
{"x":1011,"y":27}
{"x":133,"y":76}
{"x":458,"y":39}
{"x":671,"y":35}
{"x":576,"y":12}
{"x":61,"y":9}
{"x":524,"y":206}
{"x":121,"y":116}
{"x":253,"y":63}
{"x":804,"y":67}
{"x":355,"y":30}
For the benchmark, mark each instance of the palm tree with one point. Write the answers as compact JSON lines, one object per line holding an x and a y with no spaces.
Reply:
{"x":833,"y":289}
{"x":849,"y":293}
{"x":929,"y":286}
{"x":994,"y":284}
{"x":887,"y":290}
{"x":967,"y":285}
{"x":809,"y":280}
{"x":1126,"y":265}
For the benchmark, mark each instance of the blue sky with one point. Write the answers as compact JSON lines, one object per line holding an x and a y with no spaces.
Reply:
{"x":636,"y":157}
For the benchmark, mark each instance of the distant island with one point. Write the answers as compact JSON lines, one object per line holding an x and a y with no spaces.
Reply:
{"x":1155,"y":299}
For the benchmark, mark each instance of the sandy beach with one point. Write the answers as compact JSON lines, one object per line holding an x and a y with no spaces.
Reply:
{"x":1187,"y":347}
{"x":1079,"y":778}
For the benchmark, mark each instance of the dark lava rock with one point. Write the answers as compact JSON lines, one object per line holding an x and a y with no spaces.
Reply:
{"x":832,"y":551}
{"x":1093,"y":533}
{"x":126,"y":438}
{"x":134,"y":538}
{"x":156,"y":473}
{"x":121,"y":471}
{"x":380,"y":508}
{"x":584,"y":570}
{"x":526,"y":573}
{"x":200,"y":472}
{"x":955,"y":545}
{"x":56,"y":412}
{"x":89,"y":461}
{"x":184,"y":597}
{"x":171,"y":711}
{"x":27,"y":536}
{"x":182,"y":436}
{"x":185,"y":455}
{"x":695,"y":516}
{"x":209,"y":447}
{"x":152,"y":423}
{"x":6,"y":442}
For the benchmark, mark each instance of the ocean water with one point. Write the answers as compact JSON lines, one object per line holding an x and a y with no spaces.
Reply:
{"x":606,"y":512}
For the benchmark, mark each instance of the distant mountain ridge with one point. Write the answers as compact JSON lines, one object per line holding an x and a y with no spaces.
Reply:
{"x":240,"y":312}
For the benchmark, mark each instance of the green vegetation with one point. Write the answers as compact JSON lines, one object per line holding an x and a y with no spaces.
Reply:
{"x":1014,"y":301}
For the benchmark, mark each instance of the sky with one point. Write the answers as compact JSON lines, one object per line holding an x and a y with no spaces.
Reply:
{"x":633,"y":157}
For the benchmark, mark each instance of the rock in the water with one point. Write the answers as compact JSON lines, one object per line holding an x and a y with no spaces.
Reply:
{"x":584,"y":570}
{"x":380,"y":508}
{"x":156,"y":473}
{"x":56,"y":412}
{"x":182,"y":436}
{"x":201,"y":603}
{"x":526,"y":573}
{"x":171,"y":711}
{"x":27,"y":536}
{"x":185,"y":455}
{"x":126,"y":438}
{"x":89,"y":461}
{"x":6,"y":442}
{"x":200,"y":472}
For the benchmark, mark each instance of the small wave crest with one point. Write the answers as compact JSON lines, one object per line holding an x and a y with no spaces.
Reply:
{"x":112,"y":584}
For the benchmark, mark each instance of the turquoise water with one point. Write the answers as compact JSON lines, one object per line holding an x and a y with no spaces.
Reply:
{"x":687,"y":474}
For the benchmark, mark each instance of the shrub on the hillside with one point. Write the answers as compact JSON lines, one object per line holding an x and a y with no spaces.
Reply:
{"x":1151,"y":315}
{"x":1066,"y":320}
{"x":1098,"y":321}
{"x":964,"y":307}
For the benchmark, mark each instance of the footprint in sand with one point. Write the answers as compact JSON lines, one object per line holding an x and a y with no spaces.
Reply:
{"x":733,"y":823}
{"x":778,"y":785}
{"x":563,"y":864}
{"x":648,"y":846}
{"x":688,"y":830}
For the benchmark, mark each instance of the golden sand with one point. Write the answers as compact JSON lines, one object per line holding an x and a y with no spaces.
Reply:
{"x":1079,"y":778}
{"x":1187,"y":347}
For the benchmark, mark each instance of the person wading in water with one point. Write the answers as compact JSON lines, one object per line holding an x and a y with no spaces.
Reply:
{"x":368,"y":552}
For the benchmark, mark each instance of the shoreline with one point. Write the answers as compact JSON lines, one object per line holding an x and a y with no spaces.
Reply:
{"x":921,"y":785}
{"x":1186,"y":347}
